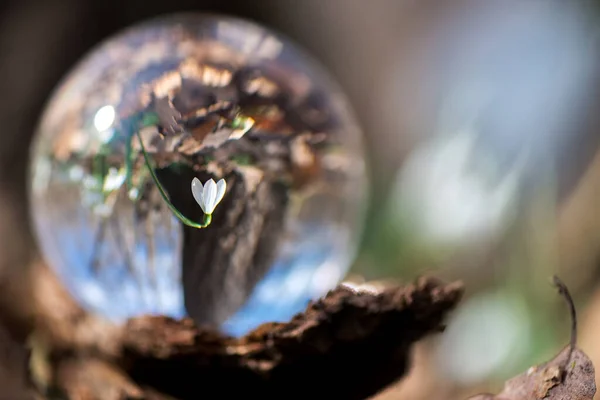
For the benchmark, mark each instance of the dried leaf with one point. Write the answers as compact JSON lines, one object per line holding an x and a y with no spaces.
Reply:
{"x":569,"y":376}
{"x":544,"y":381}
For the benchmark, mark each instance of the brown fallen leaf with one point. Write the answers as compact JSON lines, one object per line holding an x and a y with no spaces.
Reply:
{"x":568,"y":376}
{"x":544,"y":381}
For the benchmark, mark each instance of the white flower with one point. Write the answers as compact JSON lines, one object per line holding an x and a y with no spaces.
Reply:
{"x":209,"y":195}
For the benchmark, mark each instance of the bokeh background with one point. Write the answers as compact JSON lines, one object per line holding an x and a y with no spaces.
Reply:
{"x":481,"y":126}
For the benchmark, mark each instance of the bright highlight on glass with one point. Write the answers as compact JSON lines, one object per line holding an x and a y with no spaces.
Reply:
{"x":104,"y":118}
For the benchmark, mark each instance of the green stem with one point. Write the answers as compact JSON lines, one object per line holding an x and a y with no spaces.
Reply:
{"x":163,"y":193}
{"x":128,"y":164}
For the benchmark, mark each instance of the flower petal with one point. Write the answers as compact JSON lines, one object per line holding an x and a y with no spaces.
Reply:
{"x":197,"y":190}
{"x":210,"y":196}
{"x":221,"y":187}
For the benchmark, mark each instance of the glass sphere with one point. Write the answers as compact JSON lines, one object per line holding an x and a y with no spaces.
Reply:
{"x":129,"y":149}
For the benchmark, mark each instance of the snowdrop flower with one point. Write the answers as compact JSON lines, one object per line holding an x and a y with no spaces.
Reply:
{"x":209,"y":195}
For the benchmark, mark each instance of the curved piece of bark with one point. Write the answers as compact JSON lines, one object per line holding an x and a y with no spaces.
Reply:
{"x":348,"y":345}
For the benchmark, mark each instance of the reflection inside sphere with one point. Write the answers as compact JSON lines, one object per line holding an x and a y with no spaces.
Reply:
{"x":210,"y":98}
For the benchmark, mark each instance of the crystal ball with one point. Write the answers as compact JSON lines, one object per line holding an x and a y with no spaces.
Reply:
{"x":198,"y":165}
